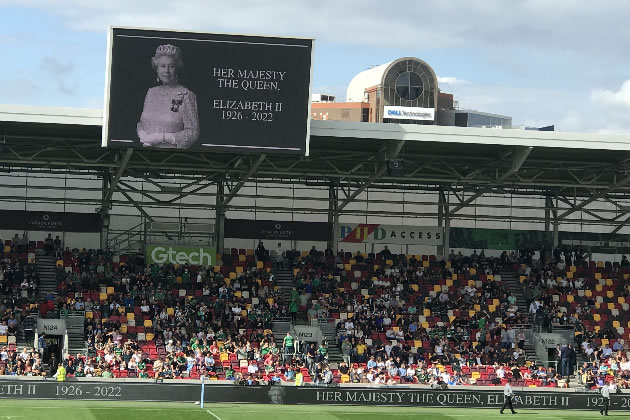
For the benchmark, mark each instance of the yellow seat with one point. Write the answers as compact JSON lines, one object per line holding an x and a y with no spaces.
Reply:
{"x":609,"y":282}
{"x":588,"y":293}
{"x":600,"y":264}
{"x":59,"y":263}
{"x":345,"y":379}
{"x":449,"y":283}
{"x":621,"y":300}
{"x":426,"y":264}
{"x":123,"y":329}
{"x":239,"y":270}
{"x":573,"y":268}
{"x":417,"y":343}
{"x":232,"y":275}
{"x":472,"y":271}
{"x":471,"y":283}
{"x":131,"y":316}
{"x":471,"y":313}
{"x":148,"y":323}
{"x":150,"y":336}
{"x":110,"y":291}
{"x":415,"y":287}
{"x":477,"y":307}
{"x":495,"y":302}
{"x":179,"y":280}
{"x":7,"y":249}
{"x":3,"y":338}
{"x":610,"y":294}
{"x":611,"y":306}
{"x":476,"y":375}
{"x":250,"y":252}
{"x":569,"y":274}
{"x":492,"y":308}
{"x":389,"y":262}
{"x":570,"y":298}
{"x":522,"y":279}
{"x":616,"y":324}
{"x":347,"y":267}
{"x":490,"y":277}
{"x":259,"y":265}
{"x":217,"y":268}
{"x":89,"y":315}
{"x":425,"y":325}
{"x":224,"y":357}
{"x":437,"y":288}
{"x":426,"y":312}
{"x":605,"y":341}
{"x":448,"y":264}
{"x":598,"y":276}
{"x":597,"y":317}
{"x":102,"y":297}
{"x":242,"y":258}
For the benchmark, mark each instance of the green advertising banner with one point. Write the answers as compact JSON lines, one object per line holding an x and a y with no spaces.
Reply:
{"x":499,"y":239}
{"x":169,"y":254}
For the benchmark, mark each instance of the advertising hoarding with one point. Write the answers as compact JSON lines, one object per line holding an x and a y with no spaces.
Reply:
{"x":273,"y":229}
{"x":409,"y":113}
{"x":203,"y":92}
{"x":49,"y":221}
{"x":173,"y":254}
{"x":386,"y":234}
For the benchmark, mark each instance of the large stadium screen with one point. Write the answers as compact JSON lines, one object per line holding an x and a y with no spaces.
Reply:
{"x":203,"y":92}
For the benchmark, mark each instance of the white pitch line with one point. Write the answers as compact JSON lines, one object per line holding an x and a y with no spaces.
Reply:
{"x":213,"y":415}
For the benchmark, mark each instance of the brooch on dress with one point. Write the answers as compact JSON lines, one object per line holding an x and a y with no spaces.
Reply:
{"x":176,"y":103}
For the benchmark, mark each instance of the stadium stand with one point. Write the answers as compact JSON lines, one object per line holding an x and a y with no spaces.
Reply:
{"x":397,"y":318}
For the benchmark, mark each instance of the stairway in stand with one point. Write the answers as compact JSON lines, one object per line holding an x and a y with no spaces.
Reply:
{"x":511,"y":281}
{"x":329,"y":332}
{"x":285,"y":280}
{"x":46,"y":272}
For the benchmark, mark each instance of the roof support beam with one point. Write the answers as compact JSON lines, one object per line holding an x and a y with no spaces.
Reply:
{"x":237,"y":187}
{"x":519,"y":155}
{"x":392,"y":153}
{"x":595,"y":197}
{"x":119,"y":172}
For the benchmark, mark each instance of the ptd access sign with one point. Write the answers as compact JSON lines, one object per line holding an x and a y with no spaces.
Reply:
{"x":168,"y":254}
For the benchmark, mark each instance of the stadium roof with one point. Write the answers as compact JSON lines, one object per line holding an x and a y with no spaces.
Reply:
{"x":470,"y":162}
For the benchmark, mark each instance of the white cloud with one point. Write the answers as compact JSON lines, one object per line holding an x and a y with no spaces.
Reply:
{"x":613,"y":98}
{"x":536,"y":24}
{"x":20,"y":91}
{"x":450,"y":80}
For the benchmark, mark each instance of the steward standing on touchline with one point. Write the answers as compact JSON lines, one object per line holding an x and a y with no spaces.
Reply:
{"x":508,"y":394}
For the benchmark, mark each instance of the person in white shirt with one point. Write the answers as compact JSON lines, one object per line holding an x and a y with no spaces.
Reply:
{"x":605,"y":391}
{"x":252,"y":368}
{"x":279,"y":256}
{"x":508,"y":394}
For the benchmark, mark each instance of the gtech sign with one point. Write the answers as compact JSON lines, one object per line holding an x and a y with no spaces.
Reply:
{"x":168,"y":254}
{"x":385,"y":234}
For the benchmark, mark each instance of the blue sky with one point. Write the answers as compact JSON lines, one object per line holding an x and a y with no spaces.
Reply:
{"x":543,"y":62}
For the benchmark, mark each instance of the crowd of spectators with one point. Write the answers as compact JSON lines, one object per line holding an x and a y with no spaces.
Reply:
{"x":398,"y":318}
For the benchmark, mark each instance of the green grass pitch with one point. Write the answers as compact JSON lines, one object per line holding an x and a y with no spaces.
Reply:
{"x":119,"y":410}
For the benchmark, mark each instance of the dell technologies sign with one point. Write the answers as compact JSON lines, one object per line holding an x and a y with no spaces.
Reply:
{"x":409,"y":113}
